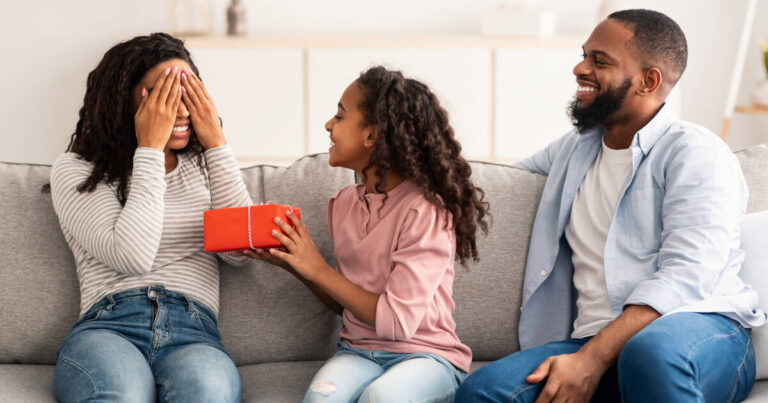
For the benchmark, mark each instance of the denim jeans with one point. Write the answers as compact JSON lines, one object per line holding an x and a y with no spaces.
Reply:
{"x":145,"y":345}
{"x":381,"y":376}
{"x":683,"y":357}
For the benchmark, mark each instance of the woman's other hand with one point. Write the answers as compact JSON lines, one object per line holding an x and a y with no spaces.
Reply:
{"x":156,"y":114}
{"x":202,"y":111}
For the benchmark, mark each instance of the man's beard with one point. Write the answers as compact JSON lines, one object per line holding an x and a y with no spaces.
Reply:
{"x":604,"y":105}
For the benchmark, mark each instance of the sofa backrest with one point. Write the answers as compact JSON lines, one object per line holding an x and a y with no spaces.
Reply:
{"x":266,"y":314}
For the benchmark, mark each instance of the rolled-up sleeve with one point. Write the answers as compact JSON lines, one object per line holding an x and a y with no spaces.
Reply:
{"x":423,"y":254}
{"x":705,"y":196}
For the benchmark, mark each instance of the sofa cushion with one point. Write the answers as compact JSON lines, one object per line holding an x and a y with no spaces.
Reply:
{"x":39,"y":295}
{"x":489,"y":292}
{"x":754,"y":232}
{"x":26,"y":383}
{"x":266,"y":314}
{"x":754,"y":164}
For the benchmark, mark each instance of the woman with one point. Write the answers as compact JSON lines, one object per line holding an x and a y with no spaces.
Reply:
{"x":148,"y":156}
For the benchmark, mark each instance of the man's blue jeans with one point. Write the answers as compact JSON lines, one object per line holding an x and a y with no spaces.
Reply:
{"x":683,"y":357}
{"x":144,"y":345}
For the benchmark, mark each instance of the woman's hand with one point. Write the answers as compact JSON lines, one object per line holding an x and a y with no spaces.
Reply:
{"x":202,"y":111}
{"x":301,"y":252}
{"x":264,"y":256}
{"x":157,"y":111}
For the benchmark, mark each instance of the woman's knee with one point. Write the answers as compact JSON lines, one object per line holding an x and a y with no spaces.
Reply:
{"x":198,"y":372}
{"x":101,"y":365}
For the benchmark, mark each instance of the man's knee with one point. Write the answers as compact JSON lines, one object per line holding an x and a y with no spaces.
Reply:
{"x":493,"y":383}
{"x":649,"y":351}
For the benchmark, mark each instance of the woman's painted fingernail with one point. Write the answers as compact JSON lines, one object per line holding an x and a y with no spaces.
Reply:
{"x":167,"y":71}
{"x":278,"y":220}
{"x":143,"y":92}
{"x":184,"y":76}
{"x":274,"y":232}
{"x":289,"y":212}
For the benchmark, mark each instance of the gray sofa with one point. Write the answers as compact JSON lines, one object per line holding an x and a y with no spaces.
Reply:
{"x":276,"y":331}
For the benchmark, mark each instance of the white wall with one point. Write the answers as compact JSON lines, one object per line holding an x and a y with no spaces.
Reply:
{"x":48,"y":47}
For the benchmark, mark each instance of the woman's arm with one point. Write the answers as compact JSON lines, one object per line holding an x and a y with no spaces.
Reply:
{"x":125,"y":238}
{"x":226,"y":181}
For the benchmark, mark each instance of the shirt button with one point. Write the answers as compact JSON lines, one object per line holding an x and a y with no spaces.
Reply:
{"x":543,"y":273}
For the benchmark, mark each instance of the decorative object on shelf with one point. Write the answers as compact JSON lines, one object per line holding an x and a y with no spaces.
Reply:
{"x":760,"y":96}
{"x":519,"y":18}
{"x":607,"y":7}
{"x":236,"y":19}
{"x":191,"y":17}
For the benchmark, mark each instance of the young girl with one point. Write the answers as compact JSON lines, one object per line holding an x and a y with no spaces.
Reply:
{"x":148,"y":156}
{"x":396,"y":237}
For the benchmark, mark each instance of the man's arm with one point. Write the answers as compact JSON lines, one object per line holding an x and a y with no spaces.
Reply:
{"x":541,"y":161}
{"x":577,"y":375}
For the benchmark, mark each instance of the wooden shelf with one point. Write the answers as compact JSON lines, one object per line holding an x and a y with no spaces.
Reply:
{"x":752,"y":110}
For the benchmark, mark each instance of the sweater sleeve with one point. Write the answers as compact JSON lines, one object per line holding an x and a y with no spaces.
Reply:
{"x":227,"y":188}
{"x":125,"y":238}
{"x":423,"y":255}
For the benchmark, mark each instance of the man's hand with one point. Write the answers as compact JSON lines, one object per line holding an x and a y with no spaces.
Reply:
{"x":569,"y":377}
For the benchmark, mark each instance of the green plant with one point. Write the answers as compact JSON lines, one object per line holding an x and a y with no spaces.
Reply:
{"x":764,"y":47}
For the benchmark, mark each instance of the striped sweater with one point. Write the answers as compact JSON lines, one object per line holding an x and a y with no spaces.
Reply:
{"x":157,"y":237}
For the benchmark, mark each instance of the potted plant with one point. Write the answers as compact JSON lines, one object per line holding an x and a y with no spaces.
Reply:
{"x":760,"y":96}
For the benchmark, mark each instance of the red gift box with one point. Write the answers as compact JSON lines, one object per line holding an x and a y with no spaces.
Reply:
{"x":227,"y":229}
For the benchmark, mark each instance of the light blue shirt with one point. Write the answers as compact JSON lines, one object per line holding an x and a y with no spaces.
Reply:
{"x":674,"y":240}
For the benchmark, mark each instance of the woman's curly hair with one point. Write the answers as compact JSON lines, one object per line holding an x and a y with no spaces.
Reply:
{"x":105,"y":134}
{"x":414,"y":139}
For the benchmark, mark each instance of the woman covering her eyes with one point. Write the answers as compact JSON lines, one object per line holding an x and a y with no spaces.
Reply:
{"x":147,"y":157}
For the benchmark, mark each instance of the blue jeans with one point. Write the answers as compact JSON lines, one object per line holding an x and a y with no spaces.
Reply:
{"x":144,"y":345}
{"x":373,"y":375}
{"x":683,"y":357}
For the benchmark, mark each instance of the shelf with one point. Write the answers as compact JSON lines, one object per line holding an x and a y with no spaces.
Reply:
{"x":752,"y":110}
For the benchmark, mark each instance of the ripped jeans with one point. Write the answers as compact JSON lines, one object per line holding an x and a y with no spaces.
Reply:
{"x":355,"y":375}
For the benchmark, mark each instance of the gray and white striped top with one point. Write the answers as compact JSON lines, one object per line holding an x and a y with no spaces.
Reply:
{"x":157,"y":237}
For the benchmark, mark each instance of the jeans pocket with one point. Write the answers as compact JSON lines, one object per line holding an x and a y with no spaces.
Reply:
{"x":204,"y":322}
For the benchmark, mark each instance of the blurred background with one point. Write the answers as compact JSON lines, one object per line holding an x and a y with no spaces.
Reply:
{"x":503,"y":69}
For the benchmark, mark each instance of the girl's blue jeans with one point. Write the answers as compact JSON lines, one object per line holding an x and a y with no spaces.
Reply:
{"x":355,"y":375}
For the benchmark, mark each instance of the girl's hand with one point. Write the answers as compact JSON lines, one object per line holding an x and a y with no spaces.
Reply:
{"x":202,"y":111}
{"x":301,"y":254}
{"x":157,"y":111}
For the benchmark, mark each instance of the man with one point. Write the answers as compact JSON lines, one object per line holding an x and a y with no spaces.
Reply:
{"x":631,"y":284}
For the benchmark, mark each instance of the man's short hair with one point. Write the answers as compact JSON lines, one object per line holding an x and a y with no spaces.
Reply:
{"x":658,"y":40}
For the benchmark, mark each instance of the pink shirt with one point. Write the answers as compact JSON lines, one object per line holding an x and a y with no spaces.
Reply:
{"x":405,"y":254}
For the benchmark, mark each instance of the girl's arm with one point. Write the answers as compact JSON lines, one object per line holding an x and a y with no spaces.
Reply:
{"x":326,"y":299}
{"x":425,"y":253}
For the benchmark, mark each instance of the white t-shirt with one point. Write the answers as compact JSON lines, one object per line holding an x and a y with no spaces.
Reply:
{"x":591,"y":217}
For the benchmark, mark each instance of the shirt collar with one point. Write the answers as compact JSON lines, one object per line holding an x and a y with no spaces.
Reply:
{"x":647,"y":137}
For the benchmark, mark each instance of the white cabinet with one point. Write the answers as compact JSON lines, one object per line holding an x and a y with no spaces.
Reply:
{"x":506,"y":97}
{"x":460,"y":77}
{"x":260,"y":97}
{"x":533,"y":89}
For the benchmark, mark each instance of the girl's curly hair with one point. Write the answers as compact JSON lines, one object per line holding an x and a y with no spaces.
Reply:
{"x":105,"y":134}
{"x":414,"y":139}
